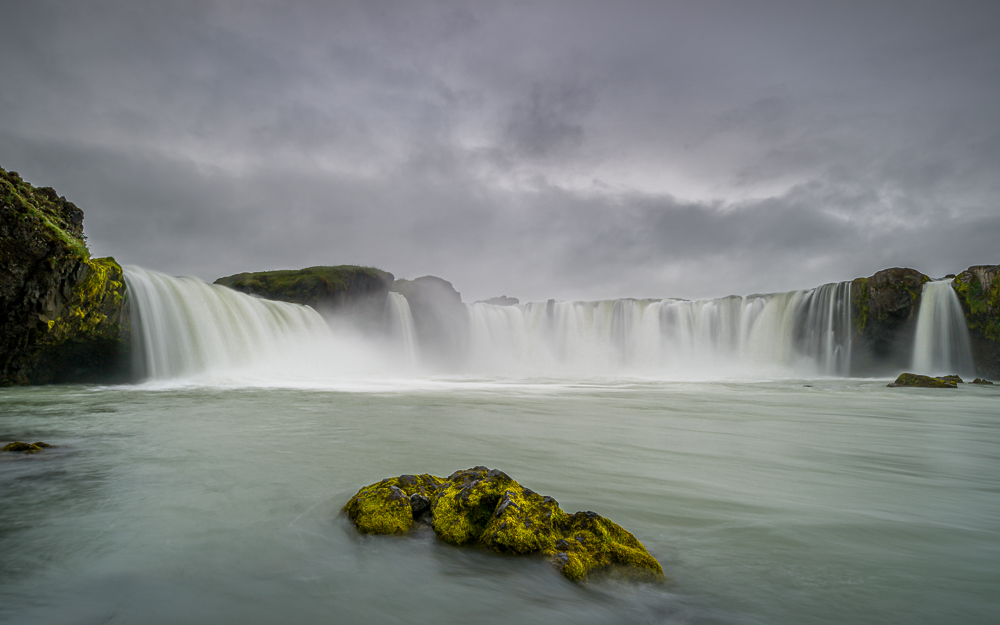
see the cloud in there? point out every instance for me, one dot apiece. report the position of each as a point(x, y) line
point(557, 150)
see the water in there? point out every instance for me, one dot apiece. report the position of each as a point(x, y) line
point(942, 340)
point(766, 502)
point(771, 491)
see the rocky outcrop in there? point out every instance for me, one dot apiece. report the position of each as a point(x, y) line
point(503, 300)
point(347, 292)
point(884, 310)
point(64, 314)
point(24, 448)
point(926, 381)
point(440, 318)
point(488, 508)
point(978, 290)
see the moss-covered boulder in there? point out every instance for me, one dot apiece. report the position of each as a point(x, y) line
point(978, 290)
point(884, 309)
point(24, 448)
point(926, 381)
point(489, 508)
point(982, 381)
point(63, 314)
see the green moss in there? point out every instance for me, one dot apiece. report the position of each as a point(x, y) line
point(384, 508)
point(925, 381)
point(982, 307)
point(24, 448)
point(488, 507)
point(305, 286)
point(98, 294)
point(46, 208)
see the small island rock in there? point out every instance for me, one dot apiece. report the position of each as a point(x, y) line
point(926, 381)
point(488, 507)
point(25, 448)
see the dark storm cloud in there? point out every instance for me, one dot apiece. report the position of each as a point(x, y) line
point(557, 149)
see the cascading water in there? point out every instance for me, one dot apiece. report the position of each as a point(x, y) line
point(942, 340)
point(401, 327)
point(185, 327)
point(720, 336)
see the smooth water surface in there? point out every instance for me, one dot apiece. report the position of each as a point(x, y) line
point(773, 502)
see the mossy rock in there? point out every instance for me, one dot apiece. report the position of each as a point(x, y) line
point(982, 381)
point(65, 315)
point(925, 381)
point(489, 508)
point(25, 448)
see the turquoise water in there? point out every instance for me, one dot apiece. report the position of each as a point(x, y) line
point(771, 502)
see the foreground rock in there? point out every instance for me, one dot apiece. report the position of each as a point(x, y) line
point(487, 507)
point(926, 381)
point(24, 448)
point(63, 314)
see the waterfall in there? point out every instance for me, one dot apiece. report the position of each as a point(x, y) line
point(942, 340)
point(806, 331)
point(183, 326)
point(401, 327)
point(186, 329)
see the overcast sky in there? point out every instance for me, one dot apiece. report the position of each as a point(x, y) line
point(575, 150)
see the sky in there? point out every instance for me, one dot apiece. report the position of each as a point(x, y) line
point(536, 149)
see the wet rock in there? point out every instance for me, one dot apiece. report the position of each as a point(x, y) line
point(25, 448)
point(64, 314)
point(925, 381)
point(981, 381)
point(489, 508)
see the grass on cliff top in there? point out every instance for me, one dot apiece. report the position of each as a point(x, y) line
point(43, 204)
point(302, 281)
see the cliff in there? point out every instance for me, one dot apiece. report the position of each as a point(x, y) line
point(345, 292)
point(439, 317)
point(978, 289)
point(884, 308)
point(64, 314)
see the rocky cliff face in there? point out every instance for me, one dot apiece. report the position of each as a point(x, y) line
point(884, 309)
point(978, 290)
point(357, 294)
point(63, 315)
point(439, 317)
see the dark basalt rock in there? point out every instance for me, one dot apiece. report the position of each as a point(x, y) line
point(978, 289)
point(926, 381)
point(489, 508)
point(440, 318)
point(884, 309)
point(63, 315)
point(25, 448)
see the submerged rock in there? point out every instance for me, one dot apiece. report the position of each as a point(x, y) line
point(25, 448)
point(488, 507)
point(926, 381)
